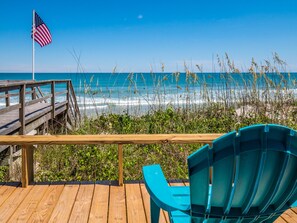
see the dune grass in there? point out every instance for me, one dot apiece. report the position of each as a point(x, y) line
point(263, 95)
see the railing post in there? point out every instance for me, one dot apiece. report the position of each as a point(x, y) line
point(68, 103)
point(76, 108)
point(27, 165)
point(53, 102)
point(22, 109)
point(68, 94)
point(7, 98)
point(33, 89)
point(10, 161)
point(120, 154)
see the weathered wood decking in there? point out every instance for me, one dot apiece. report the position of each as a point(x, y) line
point(35, 115)
point(83, 202)
point(31, 108)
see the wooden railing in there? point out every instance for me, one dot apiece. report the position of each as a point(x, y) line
point(20, 89)
point(27, 142)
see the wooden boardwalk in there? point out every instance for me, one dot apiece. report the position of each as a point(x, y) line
point(83, 202)
point(33, 108)
point(39, 113)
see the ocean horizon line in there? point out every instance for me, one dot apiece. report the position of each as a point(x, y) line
point(145, 72)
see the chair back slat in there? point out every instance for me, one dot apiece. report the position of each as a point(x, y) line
point(198, 164)
point(288, 186)
point(248, 169)
point(253, 175)
point(223, 176)
point(227, 207)
point(272, 178)
point(254, 184)
point(224, 170)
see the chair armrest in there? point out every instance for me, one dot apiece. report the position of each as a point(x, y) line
point(159, 190)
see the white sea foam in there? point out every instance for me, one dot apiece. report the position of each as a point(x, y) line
point(121, 100)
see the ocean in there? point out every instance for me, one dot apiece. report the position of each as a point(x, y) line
point(137, 93)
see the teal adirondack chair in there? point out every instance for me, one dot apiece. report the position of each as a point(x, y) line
point(254, 179)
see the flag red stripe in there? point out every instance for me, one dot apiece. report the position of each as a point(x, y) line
point(38, 41)
point(40, 38)
point(46, 32)
point(41, 33)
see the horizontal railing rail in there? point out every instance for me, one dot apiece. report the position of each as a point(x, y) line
point(31, 83)
point(109, 139)
point(27, 142)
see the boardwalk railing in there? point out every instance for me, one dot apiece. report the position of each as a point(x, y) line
point(22, 94)
point(27, 142)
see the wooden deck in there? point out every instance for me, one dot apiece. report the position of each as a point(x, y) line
point(83, 202)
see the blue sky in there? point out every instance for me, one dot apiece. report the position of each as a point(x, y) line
point(141, 35)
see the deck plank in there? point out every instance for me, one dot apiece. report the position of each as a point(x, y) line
point(5, 191)
point(29, 204)
point(47, 204)
point(177, 184)
point(280, 220)
point(11, 204)
point(65, 203)
point(85, 203)
point(135, 208)
point(117, 205)
point(289, 216)
point(81, 209)
point(146, 200)
point(100, 202)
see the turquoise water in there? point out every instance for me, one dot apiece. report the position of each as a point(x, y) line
point(138, 92)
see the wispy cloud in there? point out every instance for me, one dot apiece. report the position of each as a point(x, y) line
point(140, 16)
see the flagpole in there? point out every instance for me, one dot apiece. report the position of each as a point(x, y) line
point(33, 46)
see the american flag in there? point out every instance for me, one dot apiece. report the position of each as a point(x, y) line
point(41, 33)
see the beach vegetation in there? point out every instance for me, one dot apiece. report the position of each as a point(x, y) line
point(4, 177)
point(191, 101)
point(264, 94)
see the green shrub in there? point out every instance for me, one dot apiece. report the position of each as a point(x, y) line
point(4, 173)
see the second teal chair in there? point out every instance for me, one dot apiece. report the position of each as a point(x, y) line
point(254, 179)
